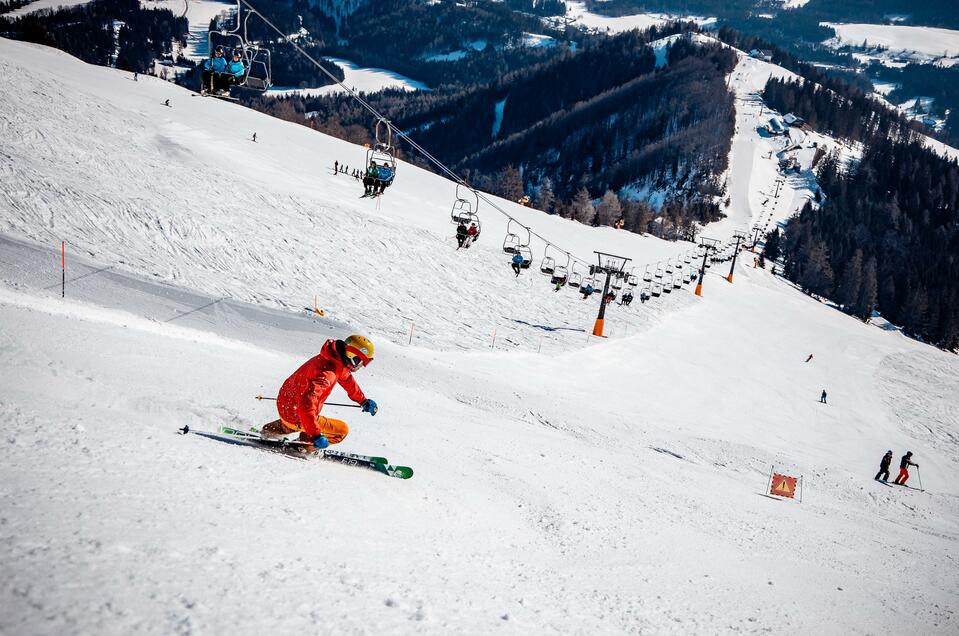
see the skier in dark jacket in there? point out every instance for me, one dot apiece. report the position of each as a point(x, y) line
point(884, 466)
point(822, 398)
point(461, 234)
point(904, 465)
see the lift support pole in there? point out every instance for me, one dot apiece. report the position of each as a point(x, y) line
point(739, 237)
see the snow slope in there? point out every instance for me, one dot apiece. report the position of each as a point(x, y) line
point(603, 489)
point(365, 80)
point(927, 41)
point(577, 12)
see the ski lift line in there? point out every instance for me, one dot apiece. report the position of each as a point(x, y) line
point(399, 133)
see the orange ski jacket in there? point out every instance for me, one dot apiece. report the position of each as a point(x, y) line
point(302, 396)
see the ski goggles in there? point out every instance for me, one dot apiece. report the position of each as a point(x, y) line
point(356, 357)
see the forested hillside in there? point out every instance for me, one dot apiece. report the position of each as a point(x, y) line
point(886, 239)
point(601, 119)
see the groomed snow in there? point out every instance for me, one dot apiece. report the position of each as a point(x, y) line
point(612, 488)
point(41, 5)
point(929, 42)
point(364, 80)
point(577, 11)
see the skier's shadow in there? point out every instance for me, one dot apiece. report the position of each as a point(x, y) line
point(237, 442)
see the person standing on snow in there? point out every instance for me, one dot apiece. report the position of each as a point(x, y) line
point(517, 263)
point(904, 465)
point(822, 398)
point(302, 396)
point(884, 466)
point(809, 358)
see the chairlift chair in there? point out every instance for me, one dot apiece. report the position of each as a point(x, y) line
point(616, 283)
point(668, 285)
point(382, 153)
point(669, 267)
point(647, 277)
point(561, 272)
point(677, 282)
point(575, 278)
point(657, 290)
point(659, 272)
point(257, 59)
point(527, 254)
point(517, 237)
point(548, 266)
point(591, 281)
point(466, 206)
point(632, 280)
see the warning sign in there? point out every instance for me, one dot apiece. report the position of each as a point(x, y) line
point(783, 486)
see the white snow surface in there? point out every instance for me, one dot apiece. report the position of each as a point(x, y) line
point(611, 488)
point(362, 79)
point(41, 5)
point(904, 43)
point(578, 12)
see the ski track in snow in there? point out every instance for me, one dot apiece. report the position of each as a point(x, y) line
point(612, 488)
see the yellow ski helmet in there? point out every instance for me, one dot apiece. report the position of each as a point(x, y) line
point(359, 350)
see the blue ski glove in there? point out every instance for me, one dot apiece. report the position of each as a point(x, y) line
point(321, 442)
point(369, 406)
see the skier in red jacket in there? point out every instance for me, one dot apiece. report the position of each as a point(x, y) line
point(302, 396)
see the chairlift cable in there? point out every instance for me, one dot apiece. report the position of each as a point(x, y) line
point(399, 133)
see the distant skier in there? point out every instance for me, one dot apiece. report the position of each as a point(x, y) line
point(809, 358)
point(904, 465)
point(822, 398)
point(136, 77)
point(461, 235)
point(517, 263)
point(336, 167)
point(167, 103)
point(884, 466)
point(302, 395)
point(254, 137)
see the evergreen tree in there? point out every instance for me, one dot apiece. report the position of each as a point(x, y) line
point(867, 292)
point(582, 207)
point(509, 183)
point(850, 284)
point(818, 275)
point(609, 210)
point(545, 198)
point(773, 248)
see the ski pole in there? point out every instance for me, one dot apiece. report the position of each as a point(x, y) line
point(919, 477)
point(349, 406)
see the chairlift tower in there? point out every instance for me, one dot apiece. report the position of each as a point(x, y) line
point(611, 265)
point(709, 245)
point(739, 236)
point(756, 230)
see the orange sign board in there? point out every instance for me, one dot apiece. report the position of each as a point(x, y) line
point(783, 486)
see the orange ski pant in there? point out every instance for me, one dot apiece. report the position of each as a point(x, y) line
point(901, 479)
point(333, 429)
